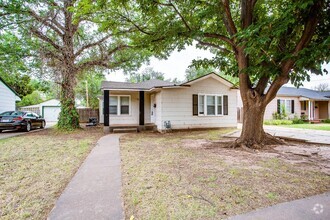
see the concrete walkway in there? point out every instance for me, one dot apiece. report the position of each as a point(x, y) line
point(308, 135)
point(311, 208)
point(95, 190)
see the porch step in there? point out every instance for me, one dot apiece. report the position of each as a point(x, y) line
point(315, 121)
point(125, 130)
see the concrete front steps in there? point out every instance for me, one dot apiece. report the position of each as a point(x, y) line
point(130, 128)
point(125, 130)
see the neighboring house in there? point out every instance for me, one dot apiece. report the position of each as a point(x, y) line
point(300, 102)
point(206, 102)
point(49, 110)
point(8, 97)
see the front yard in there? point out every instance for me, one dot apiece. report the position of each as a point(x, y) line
point(35, 168)
point(190, 175)
point(323, 126)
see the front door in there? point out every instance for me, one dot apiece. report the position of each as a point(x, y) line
point(152, 108)
point(316, 114)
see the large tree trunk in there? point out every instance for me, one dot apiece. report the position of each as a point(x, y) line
point(253, 135)
point(252, 130)
point(69, 117)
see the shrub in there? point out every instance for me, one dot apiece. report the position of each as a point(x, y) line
point(326, 120)
point(278, 122)
point(297, 120)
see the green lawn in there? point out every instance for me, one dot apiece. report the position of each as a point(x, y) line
point(324, 127)
point(35, 168)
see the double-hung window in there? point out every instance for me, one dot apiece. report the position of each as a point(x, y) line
point(210, 105)
point(119, 105)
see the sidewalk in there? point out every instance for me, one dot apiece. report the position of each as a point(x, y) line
point(308, 135)
point(95, 190)
point(311, 208)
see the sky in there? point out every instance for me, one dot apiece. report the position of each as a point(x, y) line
point(178, 62)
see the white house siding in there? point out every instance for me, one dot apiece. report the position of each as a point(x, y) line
point(7, 98)
point(176, 106)
point(272, 107)
point(132, 118)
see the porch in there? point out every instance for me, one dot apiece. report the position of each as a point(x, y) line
point(314, 110)
point(127, 110)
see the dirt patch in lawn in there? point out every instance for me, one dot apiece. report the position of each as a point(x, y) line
point(36, 167)
point(190, 175)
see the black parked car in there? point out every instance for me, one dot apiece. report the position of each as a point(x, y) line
point(20, 120)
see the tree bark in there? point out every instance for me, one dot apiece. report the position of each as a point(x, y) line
point(69, 117)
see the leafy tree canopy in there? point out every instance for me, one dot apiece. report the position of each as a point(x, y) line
point(193, 73)
point(89, 84)
point(34, 98)
point(146, 74)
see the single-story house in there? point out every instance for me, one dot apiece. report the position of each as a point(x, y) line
point(49, 110)
point(206, 102)
point(300, 102)
point(8, 97)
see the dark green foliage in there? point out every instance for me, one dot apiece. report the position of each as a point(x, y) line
point(146, 74)
point(31, 99)
point(93, 80)
point(297, 120)
point(68, 122)
point(326, 120)
point(18, 82)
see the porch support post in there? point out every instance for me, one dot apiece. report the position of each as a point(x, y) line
point(106, 110)
point(309, 110)
point(141, 105)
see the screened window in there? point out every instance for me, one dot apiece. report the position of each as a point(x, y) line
point(219, 105)
point(119, 105)
point(113, 105)
point(201, 104)
point(287, 105)
point(210, 105)
point(124, 105)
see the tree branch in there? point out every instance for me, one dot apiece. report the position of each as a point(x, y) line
point(228, 19)
point(44, 21)
point(91, 45)
point(220, 37)
point(305, 39)
point(177, 12)
point(214, 46)
point(45, 38)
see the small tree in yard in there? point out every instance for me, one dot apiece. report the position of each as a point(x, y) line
point(264, 43)
point(66, 44)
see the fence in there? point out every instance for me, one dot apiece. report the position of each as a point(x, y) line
point(30, 109)
point(86, 113)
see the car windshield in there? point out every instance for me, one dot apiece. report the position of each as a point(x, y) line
point(13, 113)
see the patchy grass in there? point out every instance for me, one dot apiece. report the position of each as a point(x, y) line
point(324, 127)
point(35, 168)
point(181, 176)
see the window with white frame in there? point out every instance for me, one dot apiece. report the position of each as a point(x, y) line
point(210, 105)
point(119, 105)
point(287, 104)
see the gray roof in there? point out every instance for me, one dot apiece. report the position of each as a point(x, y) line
point(146, 85)
point(301, 92)
point(325, 93)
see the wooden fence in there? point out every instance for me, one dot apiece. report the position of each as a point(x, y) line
point(86, 113)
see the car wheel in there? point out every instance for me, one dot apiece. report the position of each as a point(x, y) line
point(42, 124)
point(28, 127)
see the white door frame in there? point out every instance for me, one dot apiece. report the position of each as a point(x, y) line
point(152, 108)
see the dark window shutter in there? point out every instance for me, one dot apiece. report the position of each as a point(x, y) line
point(278, 106)
point(195, 104)
point(292, 106)
point(225, 105)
